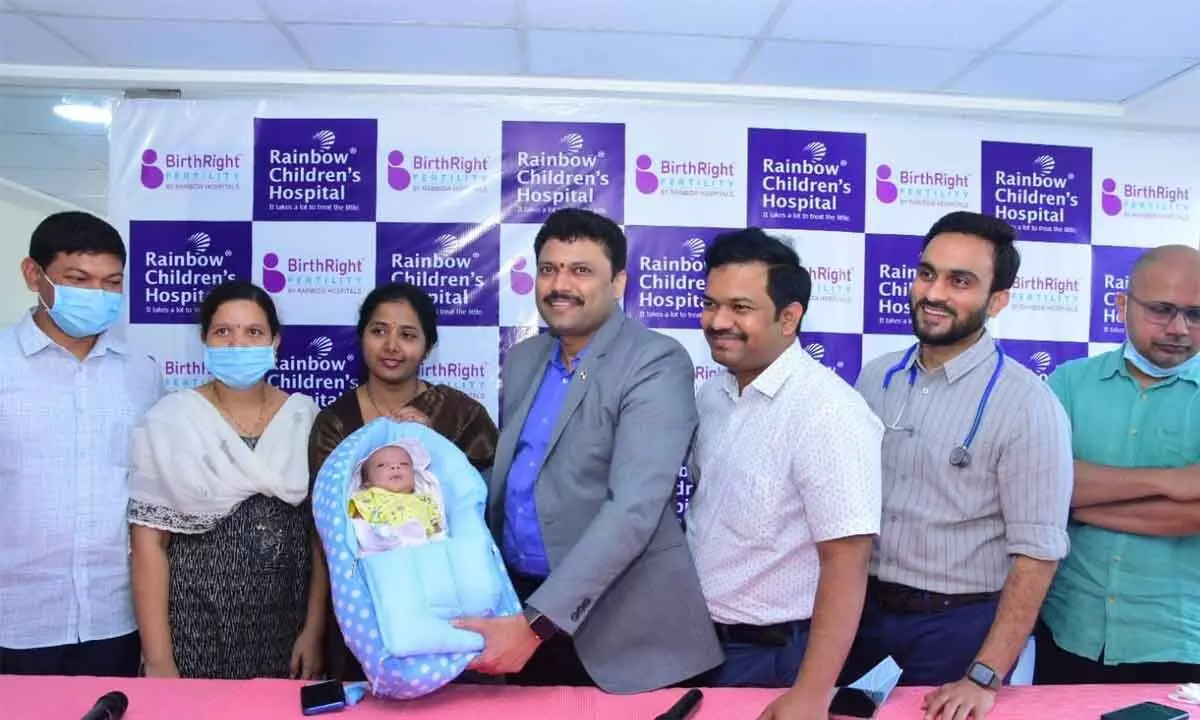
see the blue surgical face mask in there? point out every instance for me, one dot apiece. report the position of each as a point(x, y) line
point(83, 312)
point(1140, 362)
point(239, 367)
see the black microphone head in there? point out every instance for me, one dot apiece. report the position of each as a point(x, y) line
point(116, 699)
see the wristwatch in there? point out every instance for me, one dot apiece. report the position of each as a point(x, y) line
point(541, 625)
point(983, 676)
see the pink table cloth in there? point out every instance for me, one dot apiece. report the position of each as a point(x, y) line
point(55, 698)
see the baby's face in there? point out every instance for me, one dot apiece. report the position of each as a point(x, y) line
point(390, 468)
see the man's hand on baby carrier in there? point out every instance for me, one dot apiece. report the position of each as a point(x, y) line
point(508, 643)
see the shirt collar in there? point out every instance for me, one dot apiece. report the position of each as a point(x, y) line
point(32, 340)
point(770, 380)
point(1113, 365)
point(963, 363)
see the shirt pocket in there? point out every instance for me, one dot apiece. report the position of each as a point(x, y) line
point(1177, 448)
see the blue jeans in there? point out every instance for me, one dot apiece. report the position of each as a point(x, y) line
point(932, 648)
point(763, 666)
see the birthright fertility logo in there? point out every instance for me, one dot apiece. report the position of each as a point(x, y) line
point(666, 281)
point(1046, 293)
point(173, 265)
point(685, 177)
point(421, 172)
point(1110, 278)
point(1043, 191)
point(182, 373)
point(547, 166)
point(807, 180)
point(180, 170)
point(922, 188)
point(314, 169)
point(319, 361)
point(1145, 201)
point(892, 262)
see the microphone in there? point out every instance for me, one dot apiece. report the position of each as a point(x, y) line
point(110, 706)
point(683, 708)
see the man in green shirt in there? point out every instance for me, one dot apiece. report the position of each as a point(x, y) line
point(1125, 604)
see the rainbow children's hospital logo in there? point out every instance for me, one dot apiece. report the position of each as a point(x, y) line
point(1145, 201)
point(437, 172)
point(1043, 191)
point(173, 265)
point(922, 188)
point(314, 169)
point(552, 165)
point(685, 178)
point(191, 171)
point(666, 282)
point(319, 361)
point(807, 180)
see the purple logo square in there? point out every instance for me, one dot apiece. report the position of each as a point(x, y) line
point(1110, 277)
point(173, 265)
point(1044, 191)
point(457, 264)
point(807, 180)
point(321, 361)
point(892, 262)
point(547, 166)
point(1043, 357)
point(665, 274)
point(313, 169)
point(840, 352)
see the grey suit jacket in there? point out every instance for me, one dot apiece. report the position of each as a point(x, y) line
point(622, 582)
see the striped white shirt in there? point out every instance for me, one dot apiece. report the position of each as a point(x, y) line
point(954, 530)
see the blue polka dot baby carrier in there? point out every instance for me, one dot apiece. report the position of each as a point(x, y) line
point(394, 607)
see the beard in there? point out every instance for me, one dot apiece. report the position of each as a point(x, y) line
point(959, 330)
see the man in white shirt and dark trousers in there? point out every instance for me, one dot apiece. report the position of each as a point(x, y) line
point(788, 478)
point(70, 394)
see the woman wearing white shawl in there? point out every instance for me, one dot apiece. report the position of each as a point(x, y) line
point(222, 552)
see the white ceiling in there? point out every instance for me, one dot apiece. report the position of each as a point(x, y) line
point(1063, 50)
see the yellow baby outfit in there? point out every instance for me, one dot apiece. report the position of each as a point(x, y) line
point(384, 507)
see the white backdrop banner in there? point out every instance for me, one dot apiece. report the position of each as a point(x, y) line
point(320, 199)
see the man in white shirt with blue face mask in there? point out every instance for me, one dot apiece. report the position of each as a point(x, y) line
point(70, 395)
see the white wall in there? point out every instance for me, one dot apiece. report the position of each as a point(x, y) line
point(21, 209)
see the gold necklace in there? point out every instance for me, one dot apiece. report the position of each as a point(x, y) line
point(390, 413)
point(241, 429)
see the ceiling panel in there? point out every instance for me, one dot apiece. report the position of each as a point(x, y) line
point(465, 12)
point(1113, 28)
point(178, 44)
point(634, 56)
point(60, 182)
point(1064, 78)
point(408, 49)
point(858, 67)
point(23, 41)
point(706, 17)
point(146, 9)
point(957, 24)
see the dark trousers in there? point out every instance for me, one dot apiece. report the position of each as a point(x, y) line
point(931, 637)
point(759, 657)
point(1056, 666)
point(113, 657)
point(555, 662)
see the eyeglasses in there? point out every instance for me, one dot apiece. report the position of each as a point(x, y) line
point(1162, 313)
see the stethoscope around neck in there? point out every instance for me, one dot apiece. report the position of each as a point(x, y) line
point(960, 455)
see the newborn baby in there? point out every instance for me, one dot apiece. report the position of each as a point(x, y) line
point(398, 503)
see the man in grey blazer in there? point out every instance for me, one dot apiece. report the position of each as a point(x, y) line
point(599, 414)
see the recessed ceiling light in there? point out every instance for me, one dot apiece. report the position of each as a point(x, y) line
point(77, 112)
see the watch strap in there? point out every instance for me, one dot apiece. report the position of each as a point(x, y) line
point(542, 626)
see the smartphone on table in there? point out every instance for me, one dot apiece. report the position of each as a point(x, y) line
point(1146, 711)
point(322, 697)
